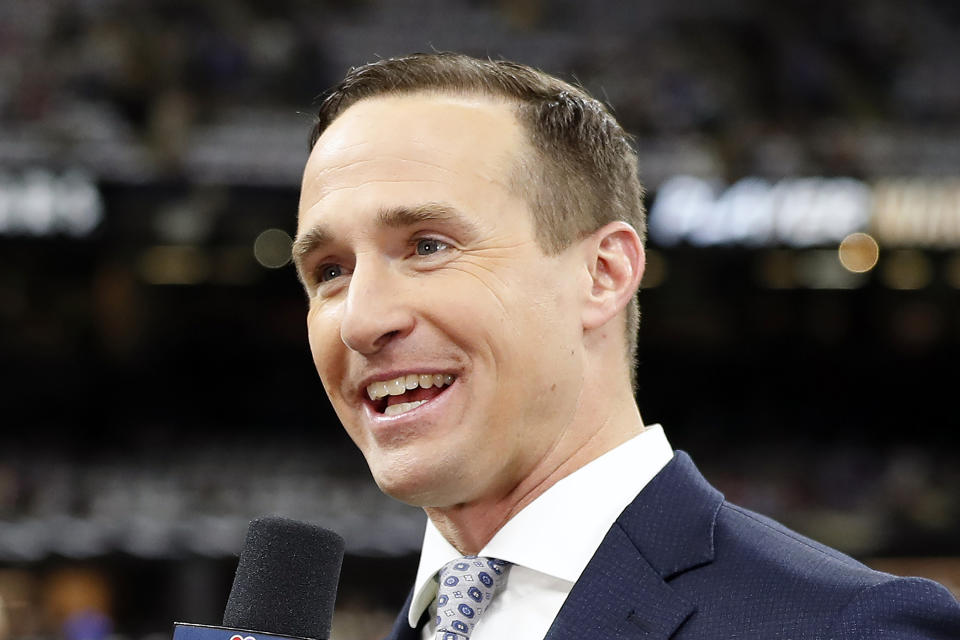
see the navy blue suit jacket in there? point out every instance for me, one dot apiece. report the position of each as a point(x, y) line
point(680, 562)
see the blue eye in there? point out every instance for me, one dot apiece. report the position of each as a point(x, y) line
point(428, 246)
point(328, 272)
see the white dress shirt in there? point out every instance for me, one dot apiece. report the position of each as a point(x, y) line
point(549, 542)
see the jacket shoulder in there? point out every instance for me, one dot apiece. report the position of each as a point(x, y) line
point(744, 535)
point(785, 585)
point(900, 608)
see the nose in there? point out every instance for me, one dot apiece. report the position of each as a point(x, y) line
point(376, 310)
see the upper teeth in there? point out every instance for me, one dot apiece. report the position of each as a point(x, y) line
point(397, 386)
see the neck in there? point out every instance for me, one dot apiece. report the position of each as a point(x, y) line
point(470, 526)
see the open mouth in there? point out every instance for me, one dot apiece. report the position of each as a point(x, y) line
point(405, 393)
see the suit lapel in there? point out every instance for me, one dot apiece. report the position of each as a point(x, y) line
point(619, 595)
point(401, 628)
point(624, 591)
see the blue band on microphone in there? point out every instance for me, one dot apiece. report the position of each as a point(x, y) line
point(187, 631)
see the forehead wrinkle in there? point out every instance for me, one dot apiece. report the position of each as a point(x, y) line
point(371, 181)
point(323, 190)
point(350, 164)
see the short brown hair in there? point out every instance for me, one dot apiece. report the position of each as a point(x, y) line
point(584, 173)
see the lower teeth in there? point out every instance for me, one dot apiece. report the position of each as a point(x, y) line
point(403, 407)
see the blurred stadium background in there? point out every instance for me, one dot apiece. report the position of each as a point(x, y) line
point(801, 316)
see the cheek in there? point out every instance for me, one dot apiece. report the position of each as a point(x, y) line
point(539, 341)
point(323, 335)
point(539, 309)
point(329, 358)
point(473, 310)
point(515, 327)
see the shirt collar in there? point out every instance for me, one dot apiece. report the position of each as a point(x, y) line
point(582, 507)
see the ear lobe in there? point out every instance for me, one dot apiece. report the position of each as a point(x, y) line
point(615, 261)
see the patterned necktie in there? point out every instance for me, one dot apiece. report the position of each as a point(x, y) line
point(466, 587)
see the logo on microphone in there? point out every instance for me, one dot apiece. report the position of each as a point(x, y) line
point(239, 637)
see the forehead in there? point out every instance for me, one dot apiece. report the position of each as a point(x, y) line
point(412, 149)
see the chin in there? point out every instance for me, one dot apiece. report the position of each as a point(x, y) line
point(419, 488)
point(412, 492)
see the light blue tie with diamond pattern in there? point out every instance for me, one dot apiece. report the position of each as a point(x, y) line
point(466, 587)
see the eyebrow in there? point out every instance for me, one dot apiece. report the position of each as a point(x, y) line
point(394, 218)
point(400, 217)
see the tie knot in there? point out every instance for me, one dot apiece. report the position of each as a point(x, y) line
point(466, 587)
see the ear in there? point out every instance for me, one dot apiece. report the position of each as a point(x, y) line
point(615, 261)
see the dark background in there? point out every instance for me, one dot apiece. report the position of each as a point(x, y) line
point(157, 388)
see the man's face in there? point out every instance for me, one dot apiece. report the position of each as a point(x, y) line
point(423, 269)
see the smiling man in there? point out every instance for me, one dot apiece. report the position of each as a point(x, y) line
point(470, 239)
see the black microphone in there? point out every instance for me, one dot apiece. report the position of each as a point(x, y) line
point(285, 585)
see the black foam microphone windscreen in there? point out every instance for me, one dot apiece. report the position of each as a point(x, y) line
point(286, 580)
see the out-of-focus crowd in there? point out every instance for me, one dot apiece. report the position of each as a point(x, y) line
point(222, 91)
